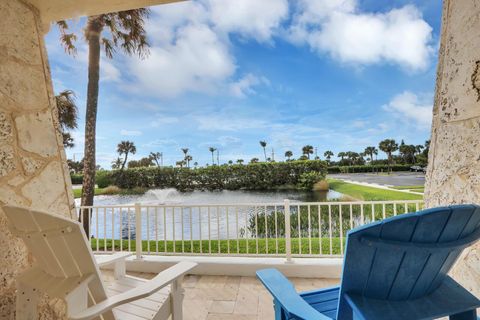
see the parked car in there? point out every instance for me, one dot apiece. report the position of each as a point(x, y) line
point(418, 169)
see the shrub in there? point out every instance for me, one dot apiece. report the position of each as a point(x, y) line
point(103, 179)
point(76, 178)
point(255, 176)
point(308, 179)
point(368, 168)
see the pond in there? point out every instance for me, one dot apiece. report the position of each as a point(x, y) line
point(188, 215)
point(173, 197)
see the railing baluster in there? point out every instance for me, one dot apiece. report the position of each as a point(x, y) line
point(373, 212)
point(236, 228)
point(209, 233)
point(218, 228)
point(362, 218)
point(128, 230)
point(309, 231)
point(120, 217)
point(320, 250)
point(395, 209)
point(341, 227)
point(191, 230)
point(105, 229)
point(96, 232)
point(156, 230)
point(288, 239)
point(266, 231)
point(165, 247)
point(351, 217)
point(330, 227)
point(200, 227)
point(173, 230)
point(148, 230)
point(256, 229)
point(228, 234)
point(183, 240)
point(299, 230)
point(113, 229)
point(383, 211)
point(276, 230)
point(246, 230)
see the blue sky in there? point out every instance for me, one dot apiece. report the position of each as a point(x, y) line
point(336, 74)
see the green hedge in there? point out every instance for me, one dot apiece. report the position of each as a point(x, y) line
point(368, 168)
point(256, 176)
point(76, 178)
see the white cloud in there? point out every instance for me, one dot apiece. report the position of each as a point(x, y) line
point(411, 108)
point(191, 47)
point(163, 120)
point(227, 121)
point(197, 61)
point(130, 133)
point(244, 86)
point(339, 28)
point(249, 18)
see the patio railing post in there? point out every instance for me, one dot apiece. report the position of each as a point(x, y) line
point(288, 239)
point(138, 231)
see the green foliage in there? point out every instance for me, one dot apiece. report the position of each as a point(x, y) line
point(77, 178)
point(254, 176)
point(308, 179)
point(364, 168)
point(103, 179)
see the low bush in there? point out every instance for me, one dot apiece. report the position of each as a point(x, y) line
point(103, 179)
point(368, 168)
point(76, 178)
point(255, 176)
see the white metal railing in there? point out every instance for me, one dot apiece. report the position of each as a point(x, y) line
point(288, 229)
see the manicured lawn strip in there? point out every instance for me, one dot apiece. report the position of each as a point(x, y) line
point(77, 193)
point(370, 193)
point(222, 246)
point(419, 188)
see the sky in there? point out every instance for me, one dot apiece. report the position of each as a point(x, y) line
point(339, 75)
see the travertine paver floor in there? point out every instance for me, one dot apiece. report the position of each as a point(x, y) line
point(233, 298)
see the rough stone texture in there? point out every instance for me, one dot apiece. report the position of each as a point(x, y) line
point(454, 161)
point(32, 171)
point(35, 133)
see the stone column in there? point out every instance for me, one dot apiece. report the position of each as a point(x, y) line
point(454, 161)
point(33, 170)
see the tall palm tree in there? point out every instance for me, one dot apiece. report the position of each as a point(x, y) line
point(117, 163)
point(126, 147)
point(125, 30)
point(254, 160)
point(157, 156)
point(188, 158)
point(240, 161)
point(328, 155)
point(212, 150)
point(288, 154)
point(67, 115)
point(307, 150)
point(185, 151)
point(370, 151)
point(263, 144)
point(342, 155)
point(388, 146)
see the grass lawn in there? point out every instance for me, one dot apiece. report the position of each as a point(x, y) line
point(419, 188)
point(370, 193)
point(222, 246)
point(77, 193)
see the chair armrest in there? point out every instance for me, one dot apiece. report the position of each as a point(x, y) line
point(106, 259)
point(148, 288)
point(284, 292)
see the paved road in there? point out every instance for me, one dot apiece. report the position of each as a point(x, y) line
point(394, 179)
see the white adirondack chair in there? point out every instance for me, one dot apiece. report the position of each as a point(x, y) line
point(65, 268)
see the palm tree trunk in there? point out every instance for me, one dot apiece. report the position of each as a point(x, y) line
point(213, 159)
point(265, 154)
point(93, 31)
point(124, 161)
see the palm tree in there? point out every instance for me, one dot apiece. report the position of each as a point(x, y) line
point(342, 155)
point(240, 161)
point(254, 160)
point(125, 31)
point(307, 150)
point(328, 155)
point(263, 144)
point(370, 151)
point(288, 154)
point(195, 164)
point(185, 151)
point(126, 147)
point(116, 164)
point(67, 115)
point(212, 150)
point(230, 161)
point(388, 146)
point(156, 156)
point(188, 158)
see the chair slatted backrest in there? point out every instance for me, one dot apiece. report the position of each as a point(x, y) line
point(408, 256)
point(59, 246)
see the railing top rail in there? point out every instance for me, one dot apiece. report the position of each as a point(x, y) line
point(270, 204)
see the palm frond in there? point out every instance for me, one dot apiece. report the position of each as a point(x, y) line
point(67, 39)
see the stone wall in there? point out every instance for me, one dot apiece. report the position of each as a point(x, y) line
point(33, 169)
point(454, 161)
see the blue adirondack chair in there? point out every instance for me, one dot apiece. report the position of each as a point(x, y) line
point(393, 269)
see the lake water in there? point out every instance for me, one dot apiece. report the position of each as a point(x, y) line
point(186, 215)
point(173, 197)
